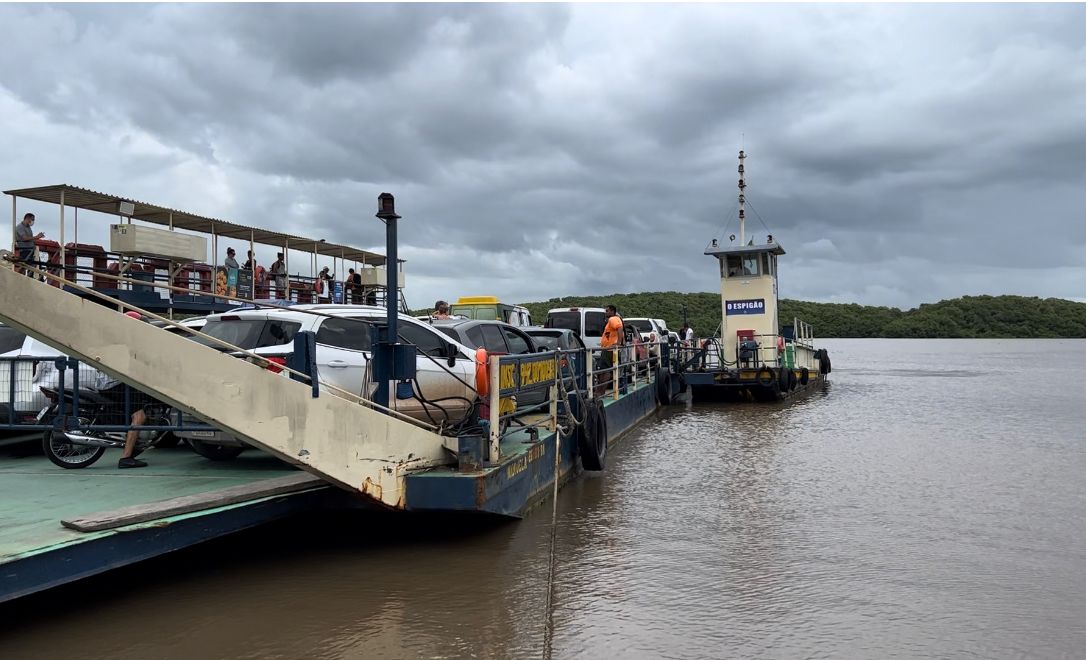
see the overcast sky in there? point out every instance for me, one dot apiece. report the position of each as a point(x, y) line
point(900, 154)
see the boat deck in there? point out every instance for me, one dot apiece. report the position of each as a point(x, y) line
point(178, 500)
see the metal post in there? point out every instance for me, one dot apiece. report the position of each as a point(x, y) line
point(14, 211)
point(553, 425)
point(614, 370)
point(588, 366)
point(62, 227)
point(385, 352)
point(495, 408)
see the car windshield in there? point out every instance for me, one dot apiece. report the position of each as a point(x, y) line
point(642, 325)
point(10, 339)
point(250, 333)
point(565, 321)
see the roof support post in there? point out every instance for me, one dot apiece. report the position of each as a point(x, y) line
point(62, 226)
point(14, 211)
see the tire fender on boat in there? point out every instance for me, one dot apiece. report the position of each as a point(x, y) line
point(804, 376)
point(482, 377)
point(765, 377)
point(593, 440)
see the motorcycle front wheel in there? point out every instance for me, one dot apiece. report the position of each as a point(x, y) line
point(64, 453)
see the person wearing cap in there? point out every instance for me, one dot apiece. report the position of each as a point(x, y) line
point(441, 311)
point(231, 262)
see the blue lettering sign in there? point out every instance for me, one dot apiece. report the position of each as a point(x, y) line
point(732, 307)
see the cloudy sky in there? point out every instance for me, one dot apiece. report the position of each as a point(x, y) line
point(901, 154)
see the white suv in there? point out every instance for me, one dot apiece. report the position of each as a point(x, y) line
point(445, 368)
point(652, 330)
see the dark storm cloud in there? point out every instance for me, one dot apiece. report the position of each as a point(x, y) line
point(542, 150)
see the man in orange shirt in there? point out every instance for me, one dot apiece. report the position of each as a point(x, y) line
point(612, 337)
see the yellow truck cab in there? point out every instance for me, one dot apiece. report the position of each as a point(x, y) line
point(491, 309)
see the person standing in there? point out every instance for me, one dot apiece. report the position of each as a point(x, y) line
point(612, 337)
point(24, 241)
point(324, 290)
point(356, 287)
point(250, 263)
point(441, 311)
point(279, 274)
point(231, 262)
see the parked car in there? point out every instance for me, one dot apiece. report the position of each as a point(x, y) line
point(636, 349)
point(554, 339)
point(343, 338)
point(491, 309)
point(498, 338)
point(588, 322)
point(651, 330)
point(196, 323)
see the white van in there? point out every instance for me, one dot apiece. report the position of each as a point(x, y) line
point(588, 322)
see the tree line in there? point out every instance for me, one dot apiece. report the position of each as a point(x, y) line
point(966, 317)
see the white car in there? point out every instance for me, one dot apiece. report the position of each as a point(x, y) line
point(443, 389)
point(652, 330)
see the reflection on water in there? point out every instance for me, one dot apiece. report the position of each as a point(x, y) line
point(929, 504)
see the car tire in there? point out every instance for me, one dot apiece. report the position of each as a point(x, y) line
point(214, 452)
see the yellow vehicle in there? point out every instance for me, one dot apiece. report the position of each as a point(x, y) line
point(491, 309)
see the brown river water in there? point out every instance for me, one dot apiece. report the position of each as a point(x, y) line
point(931, 503)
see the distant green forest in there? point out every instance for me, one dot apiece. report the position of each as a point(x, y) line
point(971, 316)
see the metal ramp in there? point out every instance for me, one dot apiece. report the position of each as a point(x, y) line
point(343, 442)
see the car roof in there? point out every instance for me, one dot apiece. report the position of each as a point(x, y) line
point(576, 309)
point(457, 323)
point(295, 311)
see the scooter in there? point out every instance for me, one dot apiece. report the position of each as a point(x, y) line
point(74, 443)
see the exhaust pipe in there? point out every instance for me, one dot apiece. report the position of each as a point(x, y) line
point(77, 438)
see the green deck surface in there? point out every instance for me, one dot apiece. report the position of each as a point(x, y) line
point(36, 495)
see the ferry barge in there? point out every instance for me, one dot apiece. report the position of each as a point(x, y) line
point(351, 450)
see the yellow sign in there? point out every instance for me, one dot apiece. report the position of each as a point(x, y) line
point(531, 373)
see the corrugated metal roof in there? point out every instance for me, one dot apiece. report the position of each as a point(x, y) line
point(91, 200)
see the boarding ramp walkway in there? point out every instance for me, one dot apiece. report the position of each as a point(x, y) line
point(340, 440)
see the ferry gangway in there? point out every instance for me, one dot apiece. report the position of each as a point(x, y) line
point(351, 445)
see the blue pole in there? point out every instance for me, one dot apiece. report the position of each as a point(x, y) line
point(392, 293)
point(384, 352)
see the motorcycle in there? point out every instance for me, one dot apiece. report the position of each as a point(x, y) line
point(74, 443)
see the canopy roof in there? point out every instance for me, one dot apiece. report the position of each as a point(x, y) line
point(91, 200)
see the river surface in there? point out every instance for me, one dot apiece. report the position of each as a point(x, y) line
point(931, 503)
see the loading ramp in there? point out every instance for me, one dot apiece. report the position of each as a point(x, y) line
point(339, 440)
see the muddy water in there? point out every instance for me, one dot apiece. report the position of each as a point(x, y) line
point(931, 503)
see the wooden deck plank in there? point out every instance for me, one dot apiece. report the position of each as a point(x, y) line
point(146, 512)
